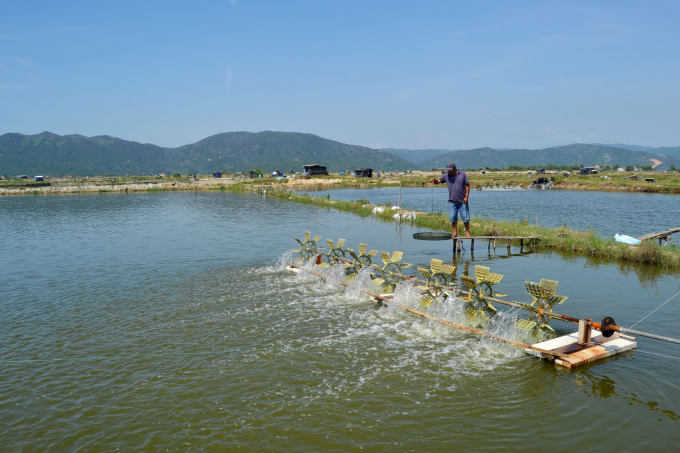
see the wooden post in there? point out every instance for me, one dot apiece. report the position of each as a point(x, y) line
point(527, 219)
point(509, 240)
point(472, 245)
point(454, 245)
point(584, 331)
point(489, 244)
point(459, 241)
point(400, 194)
point(521, 243)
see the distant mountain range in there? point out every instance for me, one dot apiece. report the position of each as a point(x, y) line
point(588, 155)
point(665, 150)
point(52, 154)
point(426, 157)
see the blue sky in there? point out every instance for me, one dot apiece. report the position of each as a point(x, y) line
point(397, 74)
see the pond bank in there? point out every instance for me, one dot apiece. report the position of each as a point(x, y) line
point(95, 186)
point(664, 183)
point(586, 243)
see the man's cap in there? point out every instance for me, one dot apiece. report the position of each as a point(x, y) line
point(450, 166)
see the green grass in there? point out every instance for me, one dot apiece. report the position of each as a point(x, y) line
point(581, 243)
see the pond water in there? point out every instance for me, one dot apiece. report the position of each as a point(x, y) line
point(166, 321)
point(633, 214)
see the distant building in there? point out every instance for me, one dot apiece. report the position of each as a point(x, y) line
point(38, 178)
point(363, 172)
point(540, 171)
point(217, 174)
point(314, 169)
point(22, 177)
point(588, 171)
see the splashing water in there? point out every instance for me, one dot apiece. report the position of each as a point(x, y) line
point(406, 294)
point(460, 349)
point(281, 263)
point(335, 273)
point(361, 282)
point(310, 266)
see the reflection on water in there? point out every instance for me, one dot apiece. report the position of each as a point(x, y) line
point(648, 275)
point(217, 347)
point(605, 387)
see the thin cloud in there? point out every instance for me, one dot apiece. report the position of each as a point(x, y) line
point(229, 77)
point(5, 86)
point(21, 61)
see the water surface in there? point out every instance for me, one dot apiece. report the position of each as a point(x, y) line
point(163, 322)
point(633, 214)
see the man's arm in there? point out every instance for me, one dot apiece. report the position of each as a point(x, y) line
point(437, 180)
point(467, 193)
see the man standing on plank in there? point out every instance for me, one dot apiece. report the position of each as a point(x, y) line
point(459, 191)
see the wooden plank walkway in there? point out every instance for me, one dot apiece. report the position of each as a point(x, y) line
point(666, 234)
point(457, 241)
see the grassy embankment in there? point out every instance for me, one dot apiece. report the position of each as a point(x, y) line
point(663, 182)
point(586, 243)
point(667, 183)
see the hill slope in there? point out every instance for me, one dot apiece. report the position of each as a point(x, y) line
point(588, 155)
point(51, 154)
point(417, 156)
point(285, 151)
point(665, 150)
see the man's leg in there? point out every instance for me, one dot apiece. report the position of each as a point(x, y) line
point(453, 218)
point(465, 217)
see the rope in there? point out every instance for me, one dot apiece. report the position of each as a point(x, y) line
point(432, 208)
point(660, 355)
point(177, 354)
point(654, 310)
